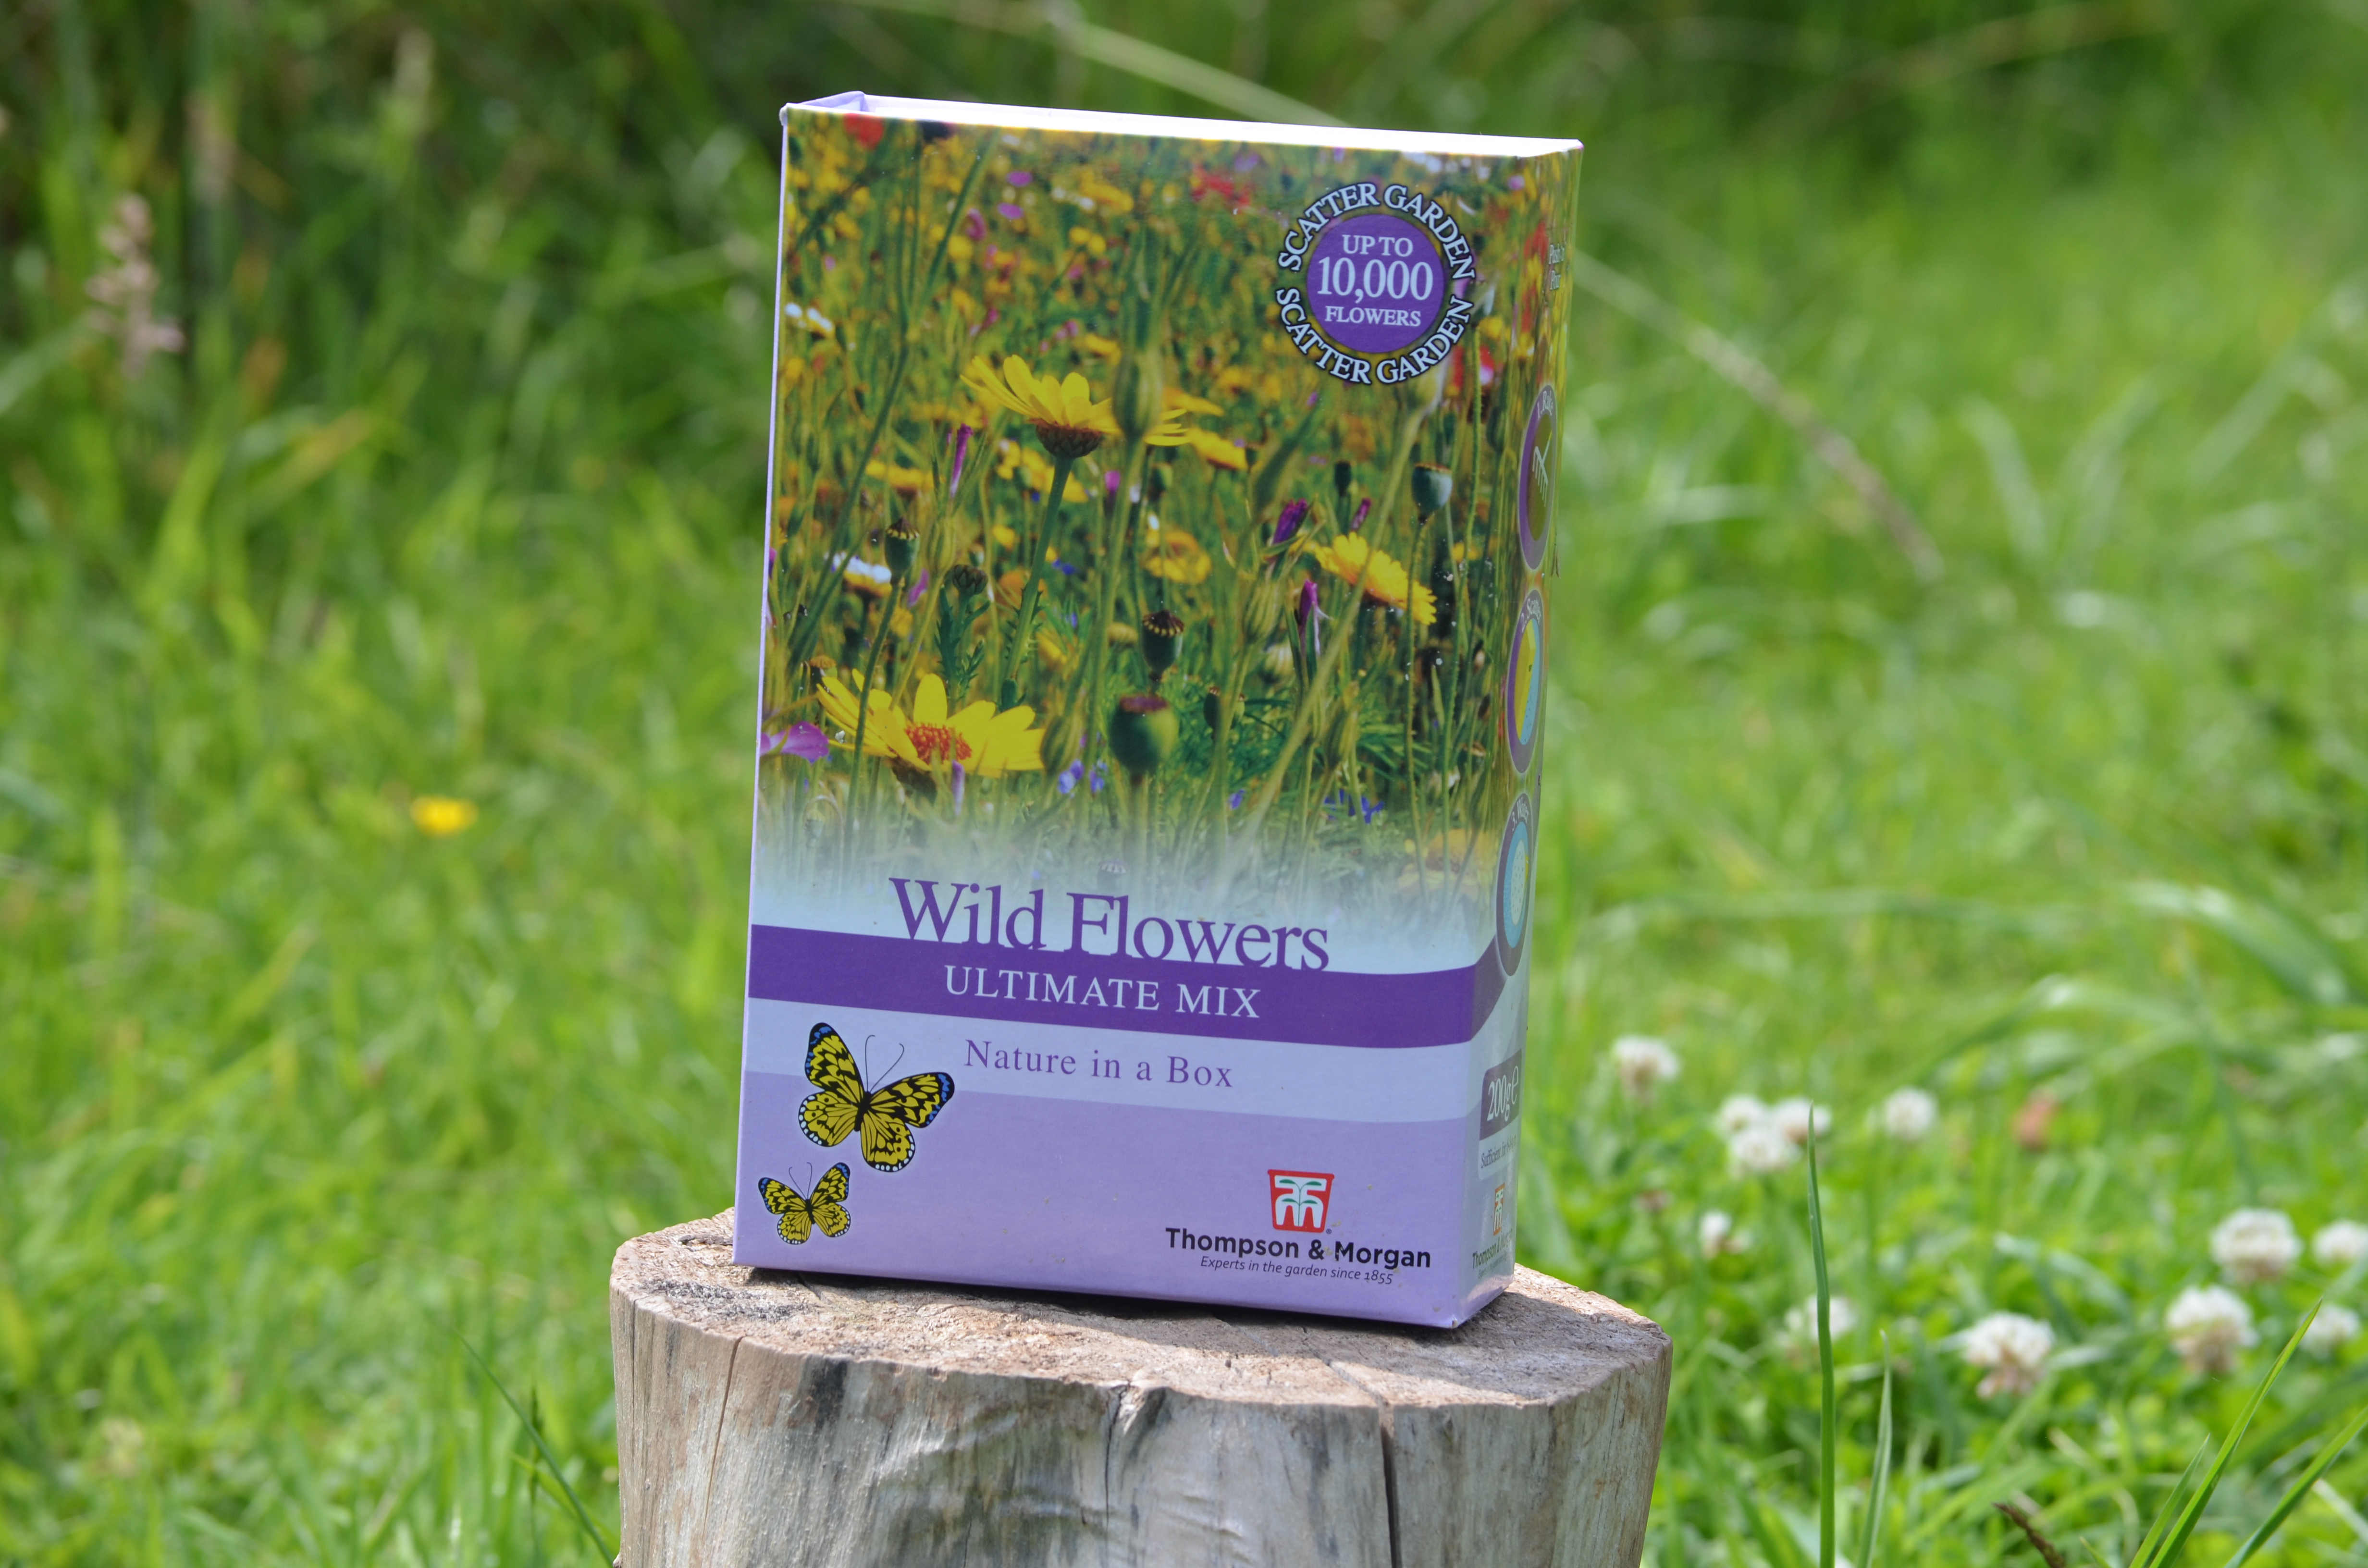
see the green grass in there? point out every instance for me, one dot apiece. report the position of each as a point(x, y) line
point(455, 489)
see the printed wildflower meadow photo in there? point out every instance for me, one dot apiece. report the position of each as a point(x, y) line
point(1160, 508)
point(1153, 677)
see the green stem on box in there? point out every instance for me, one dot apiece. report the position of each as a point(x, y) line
point(1106, 564)
point(863, 692)
point(1006, 684)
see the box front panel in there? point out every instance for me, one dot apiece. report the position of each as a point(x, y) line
point(1155, 919)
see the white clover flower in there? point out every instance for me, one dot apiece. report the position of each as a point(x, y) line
point(1739, 1111)
point(1799, 1331)
point(1643, 1064)
point(2255, 1244)
point(1719, 1235)
point(1791, 1118)
point(1759, 1149)
point(1909, 1115)
point(2013, 1349)
point(2331, 1330)
point(2207, 1325)
point(2341, 1245)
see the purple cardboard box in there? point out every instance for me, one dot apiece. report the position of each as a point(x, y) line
point(1153, 666)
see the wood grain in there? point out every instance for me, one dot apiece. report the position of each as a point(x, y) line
point(807, 1419)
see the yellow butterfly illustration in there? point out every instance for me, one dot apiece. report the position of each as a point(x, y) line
point(886, 1115)
point(827, 1208)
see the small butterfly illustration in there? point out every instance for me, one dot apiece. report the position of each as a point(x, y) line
point(827, 1208)
point(886, 1115)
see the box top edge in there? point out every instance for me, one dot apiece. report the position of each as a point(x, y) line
point(1021, 117)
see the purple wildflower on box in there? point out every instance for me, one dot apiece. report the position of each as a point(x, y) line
point(1286, 525)
point(801, 739)
point(963, 439)
point(1075, 774)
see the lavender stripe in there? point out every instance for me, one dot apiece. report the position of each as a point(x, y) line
point(837, 968)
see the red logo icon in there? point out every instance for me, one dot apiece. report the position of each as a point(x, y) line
point(1299, 1198)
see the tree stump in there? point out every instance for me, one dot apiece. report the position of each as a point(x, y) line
point(811, 1419)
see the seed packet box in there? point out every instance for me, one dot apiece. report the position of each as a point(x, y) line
point(1152, 664)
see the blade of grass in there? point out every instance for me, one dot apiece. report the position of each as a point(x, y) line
point(1776, 1542)
point(583, 1516)
point(2051, 30)
point(2176, 1542)
point(1121, 52)
point(2301, 1489)
point(2342, 1510)
point(1825, 1436)
point(1745, 371)
point(2170, 1508)
point(1881, 1482)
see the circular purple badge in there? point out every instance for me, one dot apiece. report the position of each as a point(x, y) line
point(1540, 454)
point(1375, 283)
point(1525, 681)
point(1516, 877)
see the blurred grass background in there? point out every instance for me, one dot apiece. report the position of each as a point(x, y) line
point(446, 476)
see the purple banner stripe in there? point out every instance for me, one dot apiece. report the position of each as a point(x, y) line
point(964, 980)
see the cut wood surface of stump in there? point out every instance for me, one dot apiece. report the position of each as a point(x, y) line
point(810, 1419)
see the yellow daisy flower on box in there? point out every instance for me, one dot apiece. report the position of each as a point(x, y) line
point(1216, 450)
point(987, 744)
point(902, 480)
point(1378, 575)
point(1069, 420)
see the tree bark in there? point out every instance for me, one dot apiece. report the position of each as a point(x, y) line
point(808, 1419)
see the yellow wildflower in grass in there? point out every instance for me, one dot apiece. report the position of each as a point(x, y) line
point(1177, 398)
point(1009, 540)
point(1036, 469)
point(1106, 197)
point(903, 481)
point(1068, 420)
point(1378, 574)
point(1176, 555)
point(1094, 343)
point(1055, 653)
point(986, 744)
point(1218, 452)
point(1446, 856)
point(441, 816)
